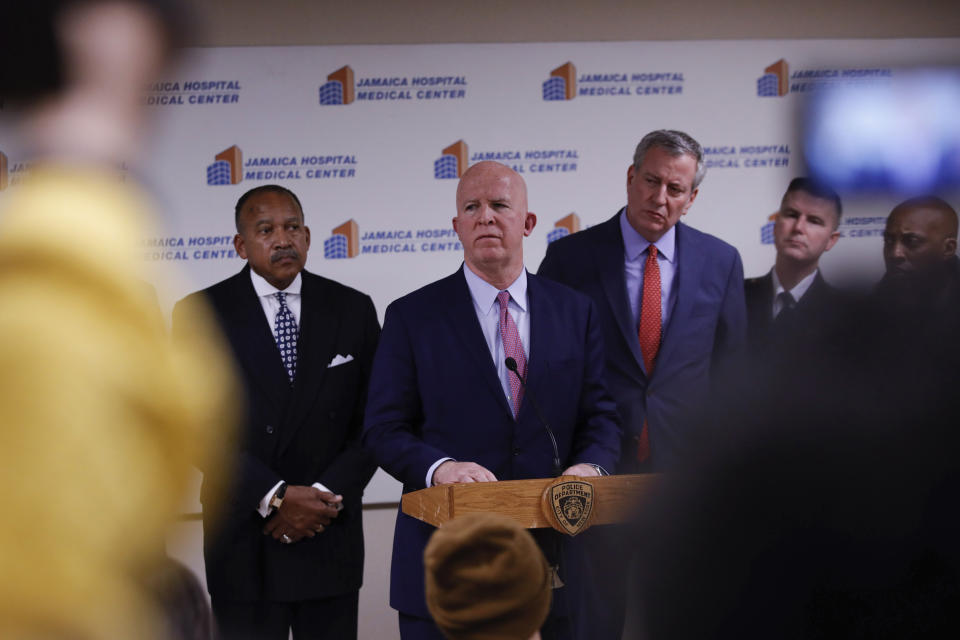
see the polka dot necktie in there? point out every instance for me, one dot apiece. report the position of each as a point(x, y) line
point(285, 331)
point(512, 348)
point(650, 329)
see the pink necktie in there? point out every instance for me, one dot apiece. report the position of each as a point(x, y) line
point(512, 348)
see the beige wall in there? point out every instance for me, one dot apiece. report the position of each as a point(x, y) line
point(302, 22)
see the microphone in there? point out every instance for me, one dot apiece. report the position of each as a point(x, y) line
point(512, 366)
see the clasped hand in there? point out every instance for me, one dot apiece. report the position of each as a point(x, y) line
point(304, 513)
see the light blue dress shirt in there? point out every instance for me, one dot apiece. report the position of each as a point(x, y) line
point(485, 305)
point(634, 261)
point(484, 296)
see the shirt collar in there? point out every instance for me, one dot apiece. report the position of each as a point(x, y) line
point(797, 292)
point(264, 288)
point(635, 244)
point(484, 294)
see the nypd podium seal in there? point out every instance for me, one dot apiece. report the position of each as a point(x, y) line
point(568, 505)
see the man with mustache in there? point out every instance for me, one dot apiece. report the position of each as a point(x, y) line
point(793, 303)
point(920, 252)
point(444, 407)
point(670, 301)
point(283, 542)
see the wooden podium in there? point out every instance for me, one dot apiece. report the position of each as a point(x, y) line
point(569, 504)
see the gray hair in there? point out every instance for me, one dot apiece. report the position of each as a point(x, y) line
point(675, 143)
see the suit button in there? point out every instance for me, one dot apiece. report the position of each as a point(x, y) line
point(516, 452)
point(333, 415)
point(270, 428)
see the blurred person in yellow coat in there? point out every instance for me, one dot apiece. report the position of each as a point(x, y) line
point(101, 415)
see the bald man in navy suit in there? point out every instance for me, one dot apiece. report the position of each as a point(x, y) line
point(443, 406)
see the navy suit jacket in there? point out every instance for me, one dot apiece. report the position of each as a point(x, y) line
point(434, 393)
point(306, 433)
point(809, 318)
point(707, 323)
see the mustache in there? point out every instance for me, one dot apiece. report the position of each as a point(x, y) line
point(280, 254)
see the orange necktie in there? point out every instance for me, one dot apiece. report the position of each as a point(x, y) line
point(649, 334)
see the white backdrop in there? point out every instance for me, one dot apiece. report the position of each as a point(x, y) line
point(266, 102)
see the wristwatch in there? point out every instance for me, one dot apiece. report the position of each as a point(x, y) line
point(277, 498)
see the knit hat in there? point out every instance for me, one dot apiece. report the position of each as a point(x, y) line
point(486, 579)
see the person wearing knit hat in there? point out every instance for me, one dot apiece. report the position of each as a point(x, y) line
point(486, 579)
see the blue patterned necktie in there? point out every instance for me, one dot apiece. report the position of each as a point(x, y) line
point(285, 331)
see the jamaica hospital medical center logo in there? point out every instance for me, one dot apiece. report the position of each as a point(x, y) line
point(346, 241)
point(228, 167)
point(193, 92)
point(777, 81)
point(564, 227)
point(342, 87)
point(564, 84)
point(453, 160)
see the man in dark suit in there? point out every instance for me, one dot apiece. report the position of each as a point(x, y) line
point(793, 303)
point(444, 408)
point(697, 311)
point(283, 542)
point(671, 306)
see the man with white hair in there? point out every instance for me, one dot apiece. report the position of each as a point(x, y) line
point(671, 306)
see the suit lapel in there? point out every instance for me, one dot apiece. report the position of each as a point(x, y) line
point(815, 294)
point(760, 306)
point(257, 348)
point(609, 260)
point(319, 325)
point(686, 283)
point(541, 309)
point(462, 317)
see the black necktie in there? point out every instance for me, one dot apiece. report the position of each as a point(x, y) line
point(787, 304)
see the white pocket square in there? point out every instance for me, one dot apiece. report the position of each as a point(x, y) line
point(339, 359)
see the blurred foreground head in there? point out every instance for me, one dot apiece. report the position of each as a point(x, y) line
point(102, 416)
point(77, 70)
point(486, 579)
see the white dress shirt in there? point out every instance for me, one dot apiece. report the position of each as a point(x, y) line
point(267, 294)
point(634, 262)
point(796, 293)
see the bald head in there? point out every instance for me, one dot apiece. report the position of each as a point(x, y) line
point(489, 170)
point(935, 211)
point(920, 236)
point(492, 220)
